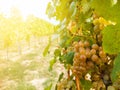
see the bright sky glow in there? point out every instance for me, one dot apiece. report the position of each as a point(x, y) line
point(35, 7)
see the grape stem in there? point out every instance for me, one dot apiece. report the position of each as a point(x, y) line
point(68, 74)
point(77, 82)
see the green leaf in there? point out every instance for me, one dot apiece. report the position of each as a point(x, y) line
point(111, 39)
point(107, 9)
point(86, 85)
point(72, 7)
point(46, 50)
point(74, 13)
point(115, 75)
point(57, 52)
point(48, 87)
point(69, 57)
point(52, 62)
point(60, 76)
point(85, 6)
point(65, 41)
point(50, 10)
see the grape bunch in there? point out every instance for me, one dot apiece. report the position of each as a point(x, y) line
point(86, 57)
point(90, 57)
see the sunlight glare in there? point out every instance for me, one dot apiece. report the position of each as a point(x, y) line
point(35, 7)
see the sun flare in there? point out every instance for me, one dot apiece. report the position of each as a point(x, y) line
point(26, 7)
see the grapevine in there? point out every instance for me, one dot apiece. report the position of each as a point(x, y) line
point(83, 49)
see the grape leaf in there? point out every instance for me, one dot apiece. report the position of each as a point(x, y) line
point(57, 52)
point(115, 75)
point(72, 7)
point(111, 39)
point(46, 50)
point(107, 9)
point(86, 84)
point(60, 76)
point(102, 7)
point(85, 6)
point(52, 62)
point(49, 87)
point(69, 57)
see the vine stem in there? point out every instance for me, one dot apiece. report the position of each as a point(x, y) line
point(77, 82)
point(68, 74)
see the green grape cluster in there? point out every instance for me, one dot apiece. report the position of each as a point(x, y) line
point(86, 57)
point(91, 58)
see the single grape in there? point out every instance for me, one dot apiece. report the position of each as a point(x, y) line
point(99, 37)
point(82, 58)
point(100, 48)
point(96, 29)
point(86, 44)
point(77, 55)
point(90, 64)
point(87, 53)
point(81, 44)
point(95, 46)
point(82, 50)
point(102, 54)
point(94, 58)
point(76, 46)
point(106, 77)
point(93, 51)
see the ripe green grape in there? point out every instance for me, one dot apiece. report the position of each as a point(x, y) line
point(93, 51)
point(86, 44)
point(106, 77)
point(95, 46)
point(99, 37)
point(94, 58)
point(76, 46)
point(77, 55)
point(81, 44)
point(83, 58)
point(82, 50)
point(96, 29)
point(100, 48)
point(102, 54)
point(87, 53)
point(90, 65)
